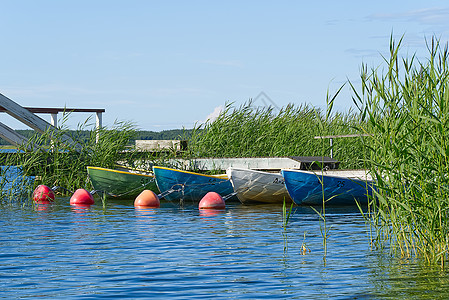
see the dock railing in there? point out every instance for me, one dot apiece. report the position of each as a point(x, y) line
point(27, 116)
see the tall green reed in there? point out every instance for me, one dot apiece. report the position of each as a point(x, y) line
point(248, 131)
point(322, 127)
point(55, 163)
point(405, 108)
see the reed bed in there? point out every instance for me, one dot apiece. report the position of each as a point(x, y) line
point(248, 131)
point(55, 163)
point(405, 108)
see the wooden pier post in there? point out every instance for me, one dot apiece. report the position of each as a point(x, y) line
point(98, 124)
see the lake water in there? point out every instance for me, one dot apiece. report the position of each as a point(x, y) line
point(117, 251)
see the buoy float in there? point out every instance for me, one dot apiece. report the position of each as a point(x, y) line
point(212, 200)
point(81, 197)
point(43, 194)
point(147, 199)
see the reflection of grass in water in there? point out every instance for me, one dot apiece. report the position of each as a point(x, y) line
point(304, 249)
point(285, 218)
point(397, 278)
point(286, 214)
point(406, 111)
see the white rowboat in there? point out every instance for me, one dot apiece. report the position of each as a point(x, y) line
point(258, 186)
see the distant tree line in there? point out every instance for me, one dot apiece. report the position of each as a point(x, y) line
point(174, 134)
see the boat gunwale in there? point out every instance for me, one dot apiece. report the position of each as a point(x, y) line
point(321, 173)
point(219, 176)
point(256, 171)
point(118, 171)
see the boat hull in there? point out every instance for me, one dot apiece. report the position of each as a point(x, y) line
point(190, 186)
point(258, 186)
point(309, 188)
point(120, 184)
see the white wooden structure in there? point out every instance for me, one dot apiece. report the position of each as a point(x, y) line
point(258, 163)
point(27, 116)
point(158, 145)
point(271, 164)
point(254, 163)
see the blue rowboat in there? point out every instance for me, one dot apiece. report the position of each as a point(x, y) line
point(306, 187)
point(188, 185)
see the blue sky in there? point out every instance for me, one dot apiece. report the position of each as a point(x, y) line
point(170, 64)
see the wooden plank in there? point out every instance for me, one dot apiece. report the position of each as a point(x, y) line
point(311, 159)
point(157, 145)
point(12, 136)
point(271, 164)
point(317, 162)
point(31, 120)
point(354, 174)
point(55, 110)
point(255, 163)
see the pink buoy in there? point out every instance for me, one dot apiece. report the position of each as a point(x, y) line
point(43, 194)
point(81, 197)
point(212, 200)
point(147, 199)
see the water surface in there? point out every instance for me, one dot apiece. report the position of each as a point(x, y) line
point(242, 252)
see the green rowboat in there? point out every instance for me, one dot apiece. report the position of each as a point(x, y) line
point(122, 183)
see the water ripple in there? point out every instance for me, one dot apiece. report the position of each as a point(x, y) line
point(242, 252)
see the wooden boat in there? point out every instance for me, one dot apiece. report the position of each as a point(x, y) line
point(258, 186)
point(188, 185)
point(342, 187)
point(121, 183)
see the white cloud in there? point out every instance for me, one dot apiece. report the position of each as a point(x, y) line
point(213, 115)
point(434, 16)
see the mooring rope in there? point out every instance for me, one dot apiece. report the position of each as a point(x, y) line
point(171, 190)
point(56, 187)
point(207, 183)
point(137, 188)
point(123, 194)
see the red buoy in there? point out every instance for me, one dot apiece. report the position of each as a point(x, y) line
point(43, 194)
point(212, 200)
point(81, 197)
point(147, 199)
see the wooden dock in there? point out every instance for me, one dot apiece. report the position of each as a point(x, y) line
point(261, 163)
point(160, 145)
point(271, 164)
